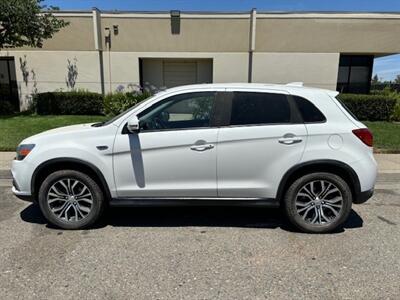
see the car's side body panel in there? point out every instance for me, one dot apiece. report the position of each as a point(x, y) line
point(334, 140)
point(251, 160)
point(79, 142)
point(245, 162)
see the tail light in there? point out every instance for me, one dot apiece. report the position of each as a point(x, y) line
point(364, 135)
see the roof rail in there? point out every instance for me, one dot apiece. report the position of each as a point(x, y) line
point(295, 83)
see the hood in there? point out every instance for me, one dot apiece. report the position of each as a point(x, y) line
point(65, 129)
point(59, 132)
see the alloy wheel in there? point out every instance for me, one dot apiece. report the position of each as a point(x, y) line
point(70, 200)
point(319, 202)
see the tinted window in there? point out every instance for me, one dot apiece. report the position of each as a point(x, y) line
point(177, 112)
point(354, 73)
point(259, 108)
point(346, 108)
point(309, 112)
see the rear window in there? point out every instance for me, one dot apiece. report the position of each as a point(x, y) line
point(259, 108)
point(346, 109)
point(309, 112)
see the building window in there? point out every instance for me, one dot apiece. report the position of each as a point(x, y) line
point(8, 82)
point(355, 74)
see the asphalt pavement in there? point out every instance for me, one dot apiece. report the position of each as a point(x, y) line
point(201, 253)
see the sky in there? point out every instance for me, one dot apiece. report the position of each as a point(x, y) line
point(385, 67)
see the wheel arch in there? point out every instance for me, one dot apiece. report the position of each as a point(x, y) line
point(52, 165)
point(331, 166)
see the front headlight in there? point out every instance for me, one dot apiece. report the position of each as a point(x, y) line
point(23, 150)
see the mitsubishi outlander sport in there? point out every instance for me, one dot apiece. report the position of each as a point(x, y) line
point(223, 144)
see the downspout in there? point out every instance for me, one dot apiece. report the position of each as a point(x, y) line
point(252, 46)
point(98, 44)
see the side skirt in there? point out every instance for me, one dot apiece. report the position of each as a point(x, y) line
point(163, 202)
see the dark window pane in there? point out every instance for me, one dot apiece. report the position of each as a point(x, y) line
point(343, 75)
point(308, 111)
point(177, 112)
point(354, 74)
point(259, 108)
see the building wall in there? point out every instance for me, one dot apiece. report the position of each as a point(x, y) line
point(227, 67)
point(196, 35)
point(288, 47)
point(351, 33)
point(77, 36)
point(47, 71)
point(314, 69)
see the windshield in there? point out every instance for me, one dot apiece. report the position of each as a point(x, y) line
point(105, 123)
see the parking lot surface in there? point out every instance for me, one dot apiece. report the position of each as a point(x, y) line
point(201, 253)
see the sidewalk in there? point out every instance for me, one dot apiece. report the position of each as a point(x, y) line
point(387, 163)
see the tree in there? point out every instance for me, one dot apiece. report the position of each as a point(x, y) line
point(27, 23)
point(375, 79)
point(397, 79)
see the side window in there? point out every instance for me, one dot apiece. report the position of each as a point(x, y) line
point(179, 112)
point(259, 108)
point(309, 112)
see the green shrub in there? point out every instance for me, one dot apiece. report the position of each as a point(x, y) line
point(6, 108)
point(116, 103)
point(396, 112)
point(370, 107)
point(69, 103)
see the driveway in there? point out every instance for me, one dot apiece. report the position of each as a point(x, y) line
point(201, 253)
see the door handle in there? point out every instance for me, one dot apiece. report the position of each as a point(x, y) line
point(202, 147)
point(290, 139)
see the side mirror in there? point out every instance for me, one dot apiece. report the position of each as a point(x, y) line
point(133, 124)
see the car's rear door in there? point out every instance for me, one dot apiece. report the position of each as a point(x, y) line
point(264, 138)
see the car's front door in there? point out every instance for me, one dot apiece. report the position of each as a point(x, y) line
point(174, 152)
point(264, 138)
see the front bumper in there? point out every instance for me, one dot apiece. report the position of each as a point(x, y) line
point(22, 195)
point(21, 174)
point(16, 184)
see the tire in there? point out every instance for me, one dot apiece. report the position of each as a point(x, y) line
point(302, 204)
point(71, 199)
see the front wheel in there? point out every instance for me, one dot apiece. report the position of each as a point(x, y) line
point(71, 199)
point(318, 202)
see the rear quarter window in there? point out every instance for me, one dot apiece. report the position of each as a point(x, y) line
point(309, 112)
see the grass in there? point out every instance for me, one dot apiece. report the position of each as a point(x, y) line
point(386, 136)
point(13, 129)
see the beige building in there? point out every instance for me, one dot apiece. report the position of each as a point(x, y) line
point(108, 51)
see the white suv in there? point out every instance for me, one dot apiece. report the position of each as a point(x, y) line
point(226, 144)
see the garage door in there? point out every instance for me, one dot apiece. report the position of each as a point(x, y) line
point(169, 72)
point(179, 73)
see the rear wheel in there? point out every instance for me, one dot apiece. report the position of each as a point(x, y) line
point(71, 199)
point(318, 202)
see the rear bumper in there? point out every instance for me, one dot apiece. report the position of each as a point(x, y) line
point(362, 197)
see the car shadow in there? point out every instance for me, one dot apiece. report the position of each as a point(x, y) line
point(245, 217)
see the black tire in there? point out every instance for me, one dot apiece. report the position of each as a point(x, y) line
point(304, 225)
point(97, 197)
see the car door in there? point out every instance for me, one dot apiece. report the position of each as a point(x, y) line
point(174, 152)
point(264, 138)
